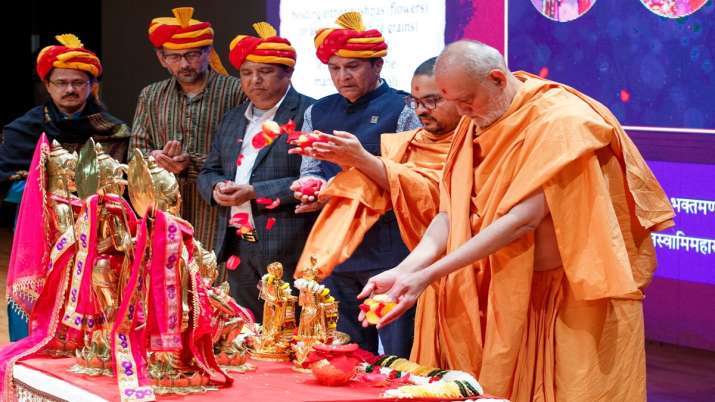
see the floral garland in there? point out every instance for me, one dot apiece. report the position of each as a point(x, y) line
point(424, 381)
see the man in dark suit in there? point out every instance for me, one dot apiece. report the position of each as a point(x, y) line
point(248, 177)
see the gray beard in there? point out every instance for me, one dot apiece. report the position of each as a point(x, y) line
point(500, 106)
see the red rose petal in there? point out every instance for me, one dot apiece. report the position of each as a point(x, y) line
point(233, 262)
point(239, 160)
point(310, 187)
point(259, 141)
point(274, 204)
point(270, 222)
point(239, 218)
point(544, 72)
point(374, 379)
point(288, 128)
point(269, 203)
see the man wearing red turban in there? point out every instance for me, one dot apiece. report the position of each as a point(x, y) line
point(367, 107)
point(71, 116)
point(175, 119)
point(245, 173)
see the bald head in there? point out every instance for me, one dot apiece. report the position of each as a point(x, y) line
point(475, 58)
point(474, 76)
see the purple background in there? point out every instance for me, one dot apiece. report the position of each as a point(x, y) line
point(666, 65)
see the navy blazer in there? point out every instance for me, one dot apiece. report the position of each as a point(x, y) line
point(273, 172)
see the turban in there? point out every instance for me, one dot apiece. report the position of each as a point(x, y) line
point(268, 47)
point(351, 41)
point(70, 54)
point(182, 32)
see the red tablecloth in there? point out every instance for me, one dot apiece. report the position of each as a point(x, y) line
point(270, 382)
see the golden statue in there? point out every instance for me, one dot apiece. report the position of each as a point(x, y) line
point(273, 343)
point(153, 188)
point(318, 317)
point(317, 305)
point(61, 167)
point(105, 177)
point(61, 196)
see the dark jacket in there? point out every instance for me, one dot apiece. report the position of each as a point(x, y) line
point(272, 174)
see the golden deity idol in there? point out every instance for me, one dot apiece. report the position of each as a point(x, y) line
point(278, 316)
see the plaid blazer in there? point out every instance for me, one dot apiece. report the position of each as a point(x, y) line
point(272, 174)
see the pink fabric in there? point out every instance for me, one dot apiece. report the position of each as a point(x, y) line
point(200, 337)
point(44, 319)
point(128, 332)
point(80, 311)
point(165, 307)
point(31, 242)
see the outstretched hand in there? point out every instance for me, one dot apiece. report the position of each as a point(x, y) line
point(400, 286)
point(341, 148)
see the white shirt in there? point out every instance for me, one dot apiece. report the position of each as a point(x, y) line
point(256, 117)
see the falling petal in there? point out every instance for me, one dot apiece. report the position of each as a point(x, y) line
point(270, 222)
point(233, 262)
point(274, 204)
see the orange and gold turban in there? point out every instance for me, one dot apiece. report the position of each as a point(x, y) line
point(351, 41)
point(268, 47)
point(182, 32)
point(70, 54)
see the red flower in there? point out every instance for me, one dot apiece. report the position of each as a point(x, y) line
point(233, 262)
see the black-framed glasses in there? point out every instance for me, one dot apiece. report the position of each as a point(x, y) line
point(62, 84)
point(190, 57)
point(429, 102)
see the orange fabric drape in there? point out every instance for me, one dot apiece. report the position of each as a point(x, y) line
point(413, 164)
point(604, 202)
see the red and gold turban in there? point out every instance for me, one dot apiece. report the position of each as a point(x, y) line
point(268, 47)
point(70, 54)
point(351, 41)
point(182, 32)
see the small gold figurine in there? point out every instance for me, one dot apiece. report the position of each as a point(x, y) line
point(318, 317)
point(278, 316)
point(61, 167)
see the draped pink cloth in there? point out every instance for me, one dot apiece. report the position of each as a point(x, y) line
point(158, 323)
point(37, 273)
point(30, 251)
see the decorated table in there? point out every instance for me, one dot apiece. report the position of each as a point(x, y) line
point(51, 379)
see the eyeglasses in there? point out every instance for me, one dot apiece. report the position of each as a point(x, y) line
point(190, 57)
point(428, 102)
point(62, 84)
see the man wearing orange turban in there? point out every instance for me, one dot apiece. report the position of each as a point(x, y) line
point(532, 276)
point(367, 107)
point(71, 116)
point(175, 119)
point(248, 176)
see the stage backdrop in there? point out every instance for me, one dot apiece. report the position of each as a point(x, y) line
point(651, 62)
